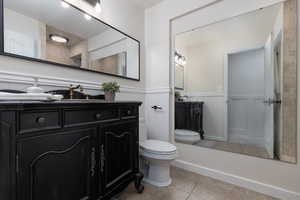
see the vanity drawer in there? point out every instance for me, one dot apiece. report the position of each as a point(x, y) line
point(129, 112)
point(77, 117)
point(38, 121)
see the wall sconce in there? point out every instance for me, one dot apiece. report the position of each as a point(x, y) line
point(180, 59)
point(97, 4)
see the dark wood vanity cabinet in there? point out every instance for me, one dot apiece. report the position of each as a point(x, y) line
point(189, 116)
point(118, 153)
point(56, 166)
point(62, 151)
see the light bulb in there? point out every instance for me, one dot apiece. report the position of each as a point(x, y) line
point(87, 17)
point(98, 7)
point(59, 38)
point(64, 4)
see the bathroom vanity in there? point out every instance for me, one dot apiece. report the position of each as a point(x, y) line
point(73, 149)
point(189, 116)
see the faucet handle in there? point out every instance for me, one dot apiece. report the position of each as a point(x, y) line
point(81, 88)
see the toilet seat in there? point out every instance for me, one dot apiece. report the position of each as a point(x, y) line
point(158, 147)
point(187, 136)
point(183, 132)
point(158, 150)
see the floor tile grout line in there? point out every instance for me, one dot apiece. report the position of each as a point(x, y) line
point(191, 191)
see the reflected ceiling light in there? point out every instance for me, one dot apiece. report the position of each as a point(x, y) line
point(64, 4)
point(87, 17)
point(98, 6)
point(59, 38)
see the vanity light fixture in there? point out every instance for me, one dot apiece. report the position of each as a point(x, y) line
point(87, 17)
point(64, 4)
point(98, 6)
point(59, 38)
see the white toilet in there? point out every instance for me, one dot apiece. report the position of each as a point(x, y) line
point(187, 136)
point(158, 155)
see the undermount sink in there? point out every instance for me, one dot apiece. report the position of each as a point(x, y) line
point(82, 100)
point(77, 96)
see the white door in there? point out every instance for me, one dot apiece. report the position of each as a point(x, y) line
point(246, 96)
point(269, 97)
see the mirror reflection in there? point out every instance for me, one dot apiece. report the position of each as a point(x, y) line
point(236, 84)
point(56, 32)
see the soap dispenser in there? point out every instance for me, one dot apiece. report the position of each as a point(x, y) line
point(35, 89)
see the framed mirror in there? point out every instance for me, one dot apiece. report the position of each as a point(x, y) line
point(54, 32)
point(179, 72)
point(240, 81)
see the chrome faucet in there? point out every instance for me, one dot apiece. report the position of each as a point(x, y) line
point(82, 91)
point(72, 88)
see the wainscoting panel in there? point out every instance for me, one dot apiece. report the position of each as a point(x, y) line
point(214, 115)
point(246, 119)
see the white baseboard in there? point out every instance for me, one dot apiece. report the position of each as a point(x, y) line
point(216, 138)
point(263, 188)
point(245, 139)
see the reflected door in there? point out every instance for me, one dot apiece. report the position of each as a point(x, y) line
point(245, 97)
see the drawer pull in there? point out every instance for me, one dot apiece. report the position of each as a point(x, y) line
point(41, 120)
point(98, 116)
point(129, 112)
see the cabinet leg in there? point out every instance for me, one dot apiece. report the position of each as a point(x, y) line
point(202, 135)
point(138, 182)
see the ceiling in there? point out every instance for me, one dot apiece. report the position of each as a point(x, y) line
point(52, 13)
point(145, 3)
point(247, 29)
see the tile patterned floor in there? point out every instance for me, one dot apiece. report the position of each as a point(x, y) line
point(247, 149)
point(190, 186)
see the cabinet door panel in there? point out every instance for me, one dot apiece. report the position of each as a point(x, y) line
point(119, 147)
point(56, 167)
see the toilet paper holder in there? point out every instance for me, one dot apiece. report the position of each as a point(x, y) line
point(157, 107)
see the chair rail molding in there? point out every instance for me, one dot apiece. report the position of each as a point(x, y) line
point(158, 90)
point(17, 78)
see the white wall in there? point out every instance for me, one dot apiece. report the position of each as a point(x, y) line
point(272, 177)
point(110, 43)
point(29, 41)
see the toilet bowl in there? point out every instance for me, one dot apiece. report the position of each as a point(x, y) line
point(187, 136)
point(158, 155)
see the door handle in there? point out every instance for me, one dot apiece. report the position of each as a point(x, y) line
point(157, 107)
point(102, 158)
point(272, 101)
point(93, 162)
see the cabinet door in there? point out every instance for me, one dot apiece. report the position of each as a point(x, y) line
point(57, 166)
point(118, 153)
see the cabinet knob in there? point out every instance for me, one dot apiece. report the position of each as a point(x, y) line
point(129, 112)
point(41, 120)
point(98, 116)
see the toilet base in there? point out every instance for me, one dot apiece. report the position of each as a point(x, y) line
point(158, 173)
point(158, 184)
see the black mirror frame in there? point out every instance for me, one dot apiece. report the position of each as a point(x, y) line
point(3, 53)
